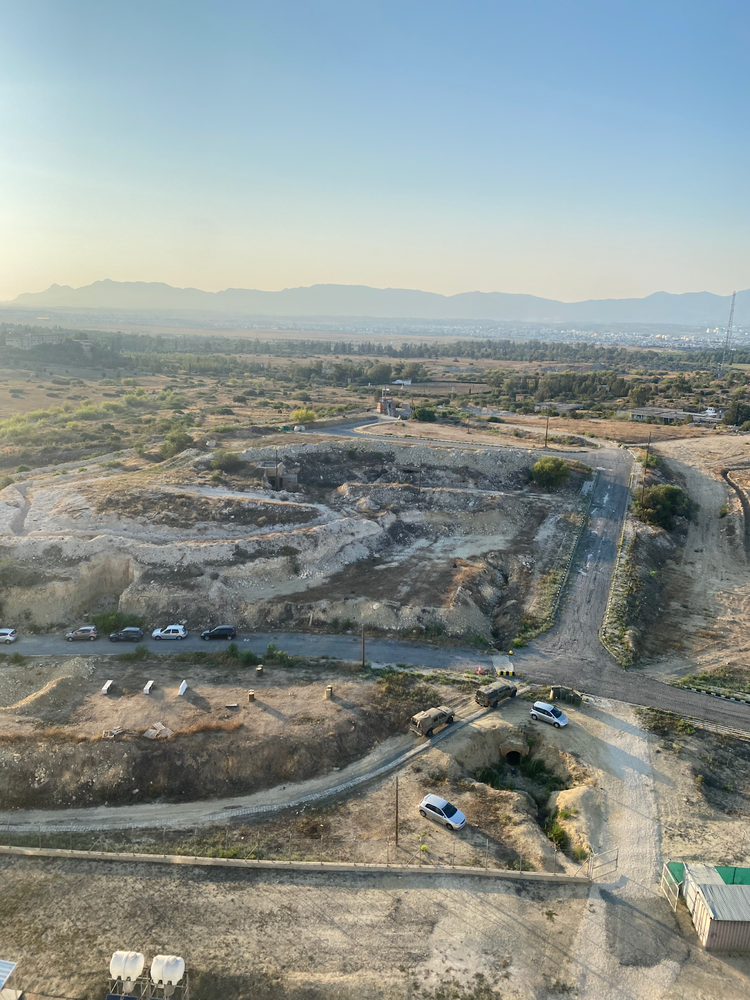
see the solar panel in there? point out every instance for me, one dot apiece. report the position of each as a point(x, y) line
point(6, 971)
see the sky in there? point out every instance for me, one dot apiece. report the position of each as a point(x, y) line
point(565, 149)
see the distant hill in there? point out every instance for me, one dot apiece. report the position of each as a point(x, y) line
point(689, 308)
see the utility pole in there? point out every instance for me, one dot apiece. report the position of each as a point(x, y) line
point(363, 647)
point(276, 482)
point(546, 431)
point(645, 467)
point(729, 333)
point(397, 813)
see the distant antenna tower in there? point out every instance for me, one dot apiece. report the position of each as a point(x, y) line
point(729, 333)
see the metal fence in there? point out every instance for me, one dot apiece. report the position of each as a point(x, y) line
point(670, 886)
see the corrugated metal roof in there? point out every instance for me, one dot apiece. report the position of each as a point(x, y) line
point(6, 971)
point(703, 874)
point(727, 902)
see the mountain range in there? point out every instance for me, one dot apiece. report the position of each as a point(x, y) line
point(688, 308)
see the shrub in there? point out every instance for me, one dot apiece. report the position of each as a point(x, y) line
point(424, 413)
point(174, 443)
point(247, 658)
point(226, 461)
point(556, 834)
point(302, 415)
point(113, 621)
point(18, 659)
point(659, 505)
point(278, 655)
point(550, 472)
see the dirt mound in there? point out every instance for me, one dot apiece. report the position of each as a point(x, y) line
point(580, 812)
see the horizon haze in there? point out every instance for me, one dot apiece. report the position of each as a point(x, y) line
point(334, 300)
point(571, 153)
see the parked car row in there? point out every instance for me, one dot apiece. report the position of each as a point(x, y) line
point(134, 634)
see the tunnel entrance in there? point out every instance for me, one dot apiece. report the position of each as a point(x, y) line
point(513, 757)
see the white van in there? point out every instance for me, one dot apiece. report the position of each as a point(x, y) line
point(543, 712)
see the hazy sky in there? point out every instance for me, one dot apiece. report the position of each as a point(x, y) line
point(567, 149)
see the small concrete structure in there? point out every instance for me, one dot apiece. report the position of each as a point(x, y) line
point(560, 693)
point(251, 695)
point(329, 693)
point(107, 686)
point(279, 475)
point(147, 687)
point(183, 688)
point(549, 404)
point(259, 670)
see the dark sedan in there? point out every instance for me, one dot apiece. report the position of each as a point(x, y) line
point(130, 634)
point(220, 632)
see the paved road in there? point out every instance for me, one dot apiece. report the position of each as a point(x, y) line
point(569, 654)
point(298, 643)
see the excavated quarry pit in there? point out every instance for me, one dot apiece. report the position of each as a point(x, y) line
point(448, 543)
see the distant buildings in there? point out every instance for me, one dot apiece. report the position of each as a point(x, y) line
point(560, 407)
point(664, 415)
point(25, 341)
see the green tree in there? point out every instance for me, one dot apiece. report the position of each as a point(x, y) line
point(737, 413)
point(424, 413)
point(379, 372)
point(639, 395)
point(302, 415)
point(659, 505)
point(174, 443)
point(550, 472)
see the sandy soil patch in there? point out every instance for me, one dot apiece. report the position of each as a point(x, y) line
point(52, 752)
point(705, 602)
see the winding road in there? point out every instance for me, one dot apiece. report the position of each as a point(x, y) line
point(570, 653)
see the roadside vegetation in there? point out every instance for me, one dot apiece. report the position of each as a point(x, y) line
point(660, 504)
point(550, 473)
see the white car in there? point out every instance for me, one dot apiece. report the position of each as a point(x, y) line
point(170, 632)
point(8, 635)
point(433, 807)
point(548, 713)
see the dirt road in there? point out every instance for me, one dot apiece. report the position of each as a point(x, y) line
point(571, 652)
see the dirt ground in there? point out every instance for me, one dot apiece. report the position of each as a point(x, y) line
point(705, 601)
point(302, 936)
point(532, 429)
point(52, 752)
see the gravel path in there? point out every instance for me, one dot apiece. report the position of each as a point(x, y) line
point(628, 945)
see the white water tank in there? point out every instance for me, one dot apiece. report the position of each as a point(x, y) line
point(126, 965)
point(167, 970)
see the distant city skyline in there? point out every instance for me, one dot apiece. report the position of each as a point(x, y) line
point(567, 152)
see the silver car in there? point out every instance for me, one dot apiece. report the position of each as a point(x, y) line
point(433, 807)
point(170, 632)
point(8, 635)
point(548, 713)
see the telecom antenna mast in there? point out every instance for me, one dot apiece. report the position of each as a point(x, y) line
point(729, 332)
